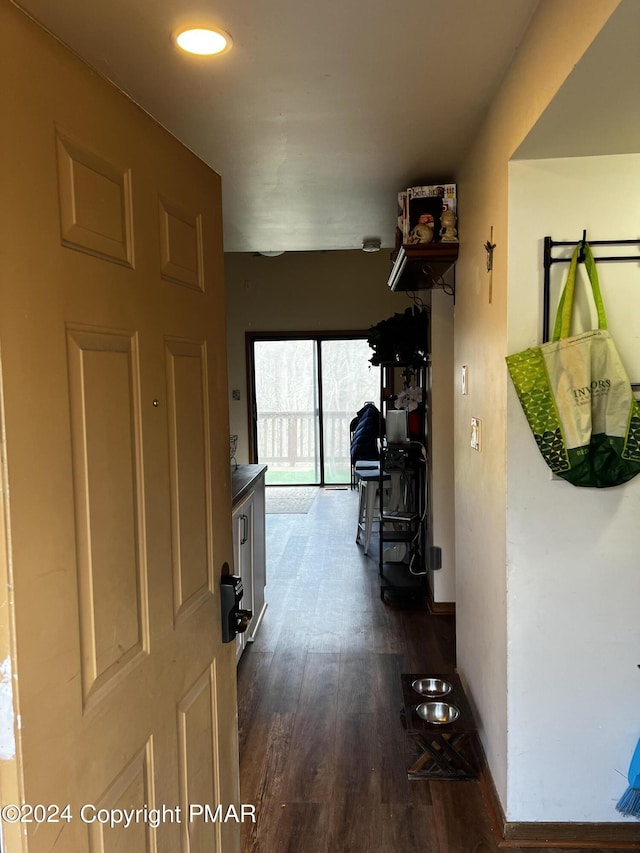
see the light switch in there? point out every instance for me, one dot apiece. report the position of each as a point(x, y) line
point(476, 433)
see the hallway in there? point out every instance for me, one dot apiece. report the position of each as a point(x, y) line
point(323, 755)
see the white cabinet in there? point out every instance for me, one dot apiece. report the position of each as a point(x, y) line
point(243, 559)
point(250, 557)
point(258, 559)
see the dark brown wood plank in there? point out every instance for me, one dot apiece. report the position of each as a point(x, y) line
point(393, 746)
point(324, 755)
point(252, 673)
point(263, 762)
point(461, 817)
point(354, 825)
point(299, 828)
point(405, 827)
point(358, 684)
point(310, 771)
point(430, 641)
point(284, 681)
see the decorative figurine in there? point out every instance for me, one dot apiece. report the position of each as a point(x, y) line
point(448, 233)
point(422, 232)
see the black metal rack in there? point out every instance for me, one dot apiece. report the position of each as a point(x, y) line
point(405, 527)
point(549, 260)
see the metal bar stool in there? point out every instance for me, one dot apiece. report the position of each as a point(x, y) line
point(367, 475)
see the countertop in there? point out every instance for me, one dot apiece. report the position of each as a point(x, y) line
point(243, 479)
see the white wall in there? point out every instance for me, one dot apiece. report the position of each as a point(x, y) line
point(551, 49)
point(573, 578)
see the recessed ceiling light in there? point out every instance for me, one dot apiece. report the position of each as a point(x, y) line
point(204, 42)
point(371, 244)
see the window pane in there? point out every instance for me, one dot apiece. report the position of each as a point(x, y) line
point(348, 381)
point(287, 410)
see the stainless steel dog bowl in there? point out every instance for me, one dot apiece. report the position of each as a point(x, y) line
point(439, 713)
point(431, 686)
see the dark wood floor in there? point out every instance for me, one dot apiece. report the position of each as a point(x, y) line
point(323, 755)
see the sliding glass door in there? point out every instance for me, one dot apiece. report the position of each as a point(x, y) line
point(347, 382)
point(306, 391)
point(286, 410)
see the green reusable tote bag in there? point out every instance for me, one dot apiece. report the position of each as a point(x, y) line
point(577, 397)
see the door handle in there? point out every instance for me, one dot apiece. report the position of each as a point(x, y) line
point(245, 528)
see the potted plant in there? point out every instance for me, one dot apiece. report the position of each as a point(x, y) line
point(411, 399)
point(401, 339)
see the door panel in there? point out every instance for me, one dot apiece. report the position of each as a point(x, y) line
point(189, 440)
point(95, 203)
point(107, 462)
point(133, 788)
point(181, 245)
point(116, 425)
point(199, 782)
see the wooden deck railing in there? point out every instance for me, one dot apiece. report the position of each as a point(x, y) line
point(291, 439)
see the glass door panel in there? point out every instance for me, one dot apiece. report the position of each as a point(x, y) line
point(286, 397)
point(348, 381)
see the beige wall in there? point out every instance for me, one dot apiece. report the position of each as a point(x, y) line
point(559, 34)
point(300, 291)
point(443, 581)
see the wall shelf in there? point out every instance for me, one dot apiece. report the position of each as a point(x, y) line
point(422, 266)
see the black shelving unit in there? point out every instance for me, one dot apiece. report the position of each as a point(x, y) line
point(403, 510)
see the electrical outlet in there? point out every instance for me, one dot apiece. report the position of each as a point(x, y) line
point(476, 433)
point(235, 394)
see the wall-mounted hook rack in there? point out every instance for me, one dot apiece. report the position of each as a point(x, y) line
point(549, 260)
point(583, 243)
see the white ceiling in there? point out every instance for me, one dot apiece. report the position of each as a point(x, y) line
point(597, 109)
point(320, 113)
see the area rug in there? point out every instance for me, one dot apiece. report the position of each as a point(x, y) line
point(290, 499)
